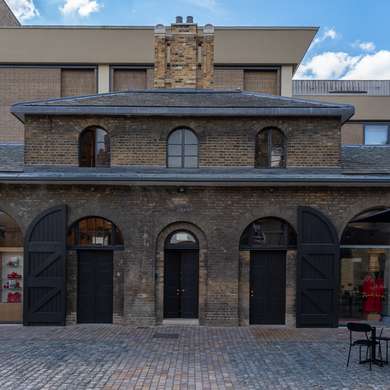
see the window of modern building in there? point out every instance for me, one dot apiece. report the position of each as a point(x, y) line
point(376, 134)
point(94, 147)
point(94, 232)
point(270, 149)
point(183, 148)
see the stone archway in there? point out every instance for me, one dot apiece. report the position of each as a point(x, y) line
point(160, 261)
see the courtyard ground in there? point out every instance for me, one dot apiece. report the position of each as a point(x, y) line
point(180, 357)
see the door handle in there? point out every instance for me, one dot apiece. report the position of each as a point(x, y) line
point(183, 290)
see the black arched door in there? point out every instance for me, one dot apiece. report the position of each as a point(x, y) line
point(181, 276)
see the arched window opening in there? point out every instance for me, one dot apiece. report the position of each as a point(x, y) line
point(268, 233)
point(11, 270)
point(365, 267)
point(94, 232)
point(94, 145)
point(270, 149)
point(181, 239)
point(183, 148)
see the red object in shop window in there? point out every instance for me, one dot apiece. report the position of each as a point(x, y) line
point(14, 275)
point(373, 292)
point(14, 297)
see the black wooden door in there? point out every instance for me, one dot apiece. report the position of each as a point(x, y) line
point(44, 269)
point(317, 270)
point(267, 287)
point(181, 284)
point(95, 287)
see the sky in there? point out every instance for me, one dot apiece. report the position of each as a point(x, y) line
point(353, 41)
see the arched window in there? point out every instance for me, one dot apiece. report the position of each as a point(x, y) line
point(270, 149)
point(181, 240)
point(94, 232)
point(183, 147)
point(94, 145)
point(268, 233)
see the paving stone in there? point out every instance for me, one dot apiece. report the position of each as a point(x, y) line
point(201, 358)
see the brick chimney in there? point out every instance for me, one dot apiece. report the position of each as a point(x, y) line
point(184, 55)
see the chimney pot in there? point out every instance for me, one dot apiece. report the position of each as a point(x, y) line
point(179, 19)
point(190, 19)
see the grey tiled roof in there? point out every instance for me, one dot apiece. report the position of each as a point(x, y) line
point(203, 176)
point(11, 157)
point(366, 159)
point(179, 102)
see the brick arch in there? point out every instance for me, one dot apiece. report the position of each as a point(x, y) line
point(160, 258)
point(354, 213)
point(244, 272)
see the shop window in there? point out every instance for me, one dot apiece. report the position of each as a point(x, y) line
point(11, 270)
point(365, 268)
point(94, 232)
point(94, 145)
point(183, 147)
point(270, 149)
point(268, 233)
point(376, 134)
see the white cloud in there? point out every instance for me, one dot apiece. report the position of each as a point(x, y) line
point(340, 65)
point(329, 33)
point(23, 9)
point(371, 67)
point(328, 65)
point(81, 7)
point(366, 46)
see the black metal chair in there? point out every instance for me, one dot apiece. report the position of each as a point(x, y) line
point(386, 340)
point(355, 327)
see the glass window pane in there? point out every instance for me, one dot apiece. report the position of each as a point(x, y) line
point(174, 162)
point(175, 138)
point(376, 135)
point(262, 150)
point(277, 157)
point(175, 150)
point(191, 150)
point(190, 137)
point(181, 237)
point(190, 162)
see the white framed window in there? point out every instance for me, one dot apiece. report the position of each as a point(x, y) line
point(376, 134)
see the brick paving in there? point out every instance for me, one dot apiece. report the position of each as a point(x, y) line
point(114, 357)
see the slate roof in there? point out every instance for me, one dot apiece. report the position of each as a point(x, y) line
point(183, 102)
point(11, 157)
point(366, 159)
point(188, 177)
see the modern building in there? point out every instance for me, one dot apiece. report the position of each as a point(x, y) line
point(168, 173)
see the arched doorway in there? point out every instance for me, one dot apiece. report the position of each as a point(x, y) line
point(267, 241)
point(11, 270)
point(365, 268)
point(94, 239)
point(181, 275)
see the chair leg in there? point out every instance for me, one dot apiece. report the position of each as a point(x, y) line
point(349, 355)
point(371, 356)
point(360, 353)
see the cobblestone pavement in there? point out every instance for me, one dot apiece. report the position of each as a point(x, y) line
point(115, 357)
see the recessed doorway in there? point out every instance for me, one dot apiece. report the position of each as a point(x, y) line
point(181, 276)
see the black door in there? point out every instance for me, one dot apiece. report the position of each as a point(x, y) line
point(95, 287)
point(181, 284)
point(44, 269)
point(317, 270)
point(267, 287)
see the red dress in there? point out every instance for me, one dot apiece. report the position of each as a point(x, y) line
point(373, 292)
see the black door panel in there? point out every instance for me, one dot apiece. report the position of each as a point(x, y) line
point(95, 287)
point(267, 287)
point(181, 284)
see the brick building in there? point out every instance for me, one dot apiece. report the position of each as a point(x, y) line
point(186, 201)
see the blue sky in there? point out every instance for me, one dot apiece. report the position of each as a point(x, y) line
point(353, 41)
